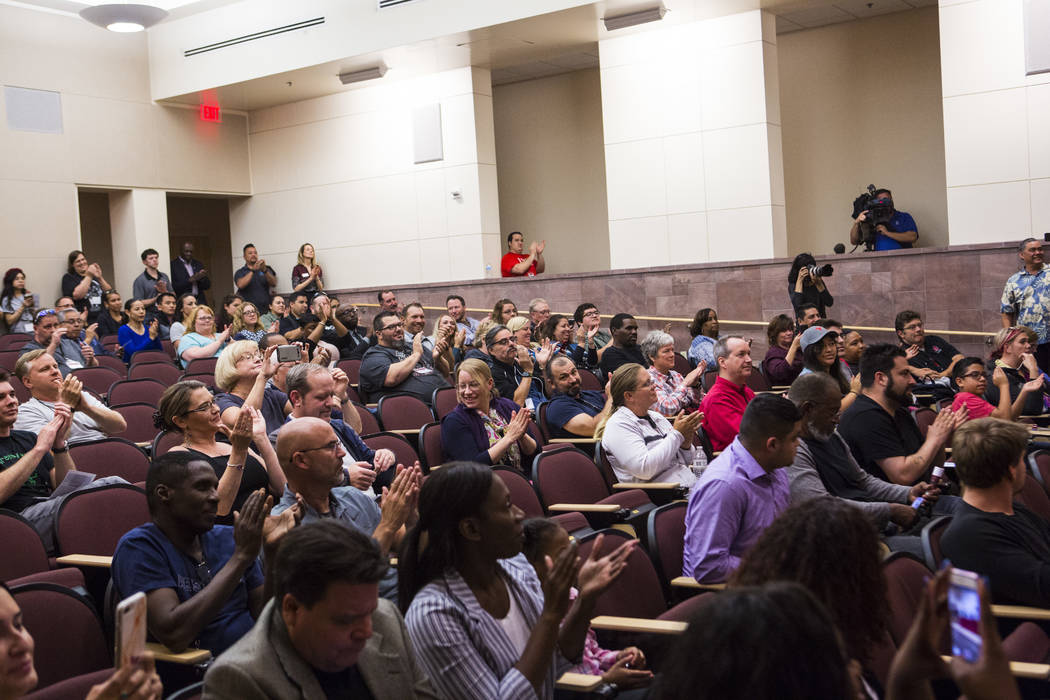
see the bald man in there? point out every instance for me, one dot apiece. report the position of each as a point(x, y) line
point(311, 455)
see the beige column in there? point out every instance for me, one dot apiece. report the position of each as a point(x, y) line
point(138, 219)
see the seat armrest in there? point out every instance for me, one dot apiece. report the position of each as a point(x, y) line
point(690, 582)
point(573, 441)
point(638, 624)
point(1022, 669)
point(1021, 611)
point(578, 682)
point(647, 485)
point(584, 508)
point(190, 657)
point(92, 560)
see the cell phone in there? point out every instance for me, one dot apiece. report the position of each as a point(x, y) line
point(130, 633)
point(289, 353)
point(964, 609)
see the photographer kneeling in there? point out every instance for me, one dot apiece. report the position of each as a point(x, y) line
point(806, 284)
point(878, 225)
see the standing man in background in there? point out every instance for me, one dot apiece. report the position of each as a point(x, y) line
point(516, 264)
point(152, 282)
point(188, 275)
point(254, 280)
point(1026, 297)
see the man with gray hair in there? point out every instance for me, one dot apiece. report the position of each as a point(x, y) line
point(724, 404)
point(539, 311)
point(824, 465)
point(50, 336)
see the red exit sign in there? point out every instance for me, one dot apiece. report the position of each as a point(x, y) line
point(211, 113)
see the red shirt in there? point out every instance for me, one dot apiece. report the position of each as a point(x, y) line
point(512, 259)
point(723, 407)
point(979, 408)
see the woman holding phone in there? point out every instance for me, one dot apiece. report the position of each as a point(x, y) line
point(17, 304)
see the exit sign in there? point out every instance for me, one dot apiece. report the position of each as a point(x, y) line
point(211, 113)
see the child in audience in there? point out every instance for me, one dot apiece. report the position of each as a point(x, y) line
point(972, 379)
point(544, 541)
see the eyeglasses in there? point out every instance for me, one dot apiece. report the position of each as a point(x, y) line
point(330, 446)
point(591, 312)
point(206, 406)
point(913, 327)
point(505, 341)
point(474, 386)
point(253, 356)
point(393, 327)
point(974, 375)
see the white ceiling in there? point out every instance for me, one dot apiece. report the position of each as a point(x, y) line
point(535, 47)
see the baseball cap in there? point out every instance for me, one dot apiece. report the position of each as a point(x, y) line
point(814, 334)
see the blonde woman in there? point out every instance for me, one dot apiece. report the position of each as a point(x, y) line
point(484, 427)
point(242, 374)
point(247, 325)
point(307, 275)
point(202, 341)
point(641, 444)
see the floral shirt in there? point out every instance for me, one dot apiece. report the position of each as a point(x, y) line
point(1028, 296)
point(672, 395)
point(596, 660)
point(495, 429)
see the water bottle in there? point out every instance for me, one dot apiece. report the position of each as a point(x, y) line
point(699, 463)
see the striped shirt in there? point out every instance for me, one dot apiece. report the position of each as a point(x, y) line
point(464, 650)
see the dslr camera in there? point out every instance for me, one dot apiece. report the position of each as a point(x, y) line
point(880, 211)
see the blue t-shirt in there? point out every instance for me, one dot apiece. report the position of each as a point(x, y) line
point(273, 402)
point(563, 408)
point(900, 222)
point(146, 560)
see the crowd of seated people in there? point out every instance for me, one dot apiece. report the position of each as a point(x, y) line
point(274, 517)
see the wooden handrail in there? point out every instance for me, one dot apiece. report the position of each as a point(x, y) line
point(722, 322)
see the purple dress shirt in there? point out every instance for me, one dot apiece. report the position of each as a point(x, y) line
point(729, 509)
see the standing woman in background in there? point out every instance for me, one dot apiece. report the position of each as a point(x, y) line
point(805, 287)
point(134, 335)
point(16, 303)
point(704, 330)
point(307, 275)
point(84, 284)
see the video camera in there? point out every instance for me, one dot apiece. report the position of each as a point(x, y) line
point(880, 211)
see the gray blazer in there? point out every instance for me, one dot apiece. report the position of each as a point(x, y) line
point(264, 664)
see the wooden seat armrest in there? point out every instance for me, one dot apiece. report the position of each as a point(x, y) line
point(190, 657)
point(1022, 669)
point(1021, 611)
point(405, 431)
point(638, 624)
point(647, 485)
point(93, 560)
point(578, 682)
point(573, 441)
point(690, 582)
point(584, 508)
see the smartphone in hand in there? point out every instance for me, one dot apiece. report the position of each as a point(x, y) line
point(964, 610)
point(130, 632)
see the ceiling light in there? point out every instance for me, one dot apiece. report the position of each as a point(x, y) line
point(629, 20)
point(361, 75)
point(123, 17)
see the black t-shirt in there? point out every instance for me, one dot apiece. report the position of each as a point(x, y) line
point(1013, 551)
point(288, 323)
point(92, 301)
point(613, 357)
point(1033, 403)
point(38, 485)
point(107, 326)
point(872, 434)
point(420, 383)
point(258, 290)
point(347, 684)
point(936, 354)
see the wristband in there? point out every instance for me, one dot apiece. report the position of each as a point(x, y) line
point(526, 374)
point(238, 467)
point(60, 450)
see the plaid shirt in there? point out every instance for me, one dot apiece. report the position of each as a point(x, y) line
point(672, 395)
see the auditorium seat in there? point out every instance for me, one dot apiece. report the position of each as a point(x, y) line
point(98, 379)
point(114, 456)
point(636, 592)
point(430, 451)
point(444, 401)
point(369, 423)
point(404, 452)
point(139, 419)
point(114, 363)
point(22, 552)
point(931, 541)
point(164, 441)
point(589, 380)
point(521, 492)
point(403, 412)
point(150, 356)
point(80, 530)
point(163, 372)
point(128, 391)
point(66, 629)
point(666, 532)
point(202, 365)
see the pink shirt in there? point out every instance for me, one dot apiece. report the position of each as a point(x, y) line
point(979, 408)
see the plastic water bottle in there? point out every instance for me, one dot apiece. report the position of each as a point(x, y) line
point(699, 463)
point(923, 507)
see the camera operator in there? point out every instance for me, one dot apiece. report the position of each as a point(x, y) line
point(893, 229)
point(806, 285)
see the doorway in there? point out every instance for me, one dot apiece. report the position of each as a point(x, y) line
point(204, 222)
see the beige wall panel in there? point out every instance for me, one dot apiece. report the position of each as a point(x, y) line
point(861, 103)
point(551, 168)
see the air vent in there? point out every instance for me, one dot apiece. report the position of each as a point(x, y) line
point(252, 37)
point(384, 4)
